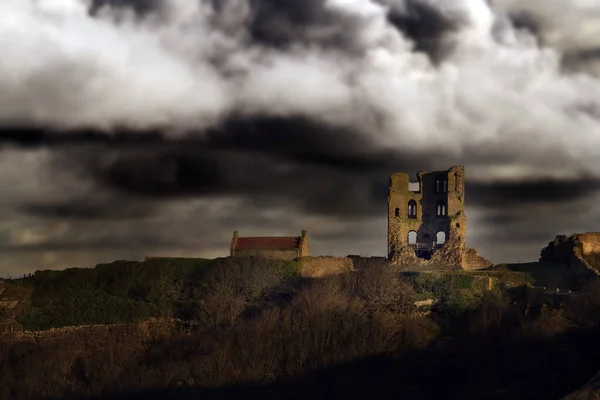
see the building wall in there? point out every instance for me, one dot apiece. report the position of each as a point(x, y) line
point(591, 242)
point(577, 252)
point(304, 245)
point(561, 248)
point(471, 260)
point(271, 254)
point(427, 222)
point(318, 267)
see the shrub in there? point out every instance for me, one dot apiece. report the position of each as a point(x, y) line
point(548, 323)
point(583, 309)
point(490, 313)
point(381, 289)
point(220, 306)
point(251, 277)
point(292, 270)
point(459, 303)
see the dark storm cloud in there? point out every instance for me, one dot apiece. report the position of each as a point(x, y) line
point(37, 136)
point(273, 181)
point(527, 20)
point(499, 217)
point(293, 60)
point(566, 26)
point(585, 55)
point(297, 138)
point(506, 236)
point(584, 60)
point(294, 161)
point(284, 23)
point(89, 209)
point(514, 193)
point(303, 140)
point(105, 243)
point(277, 161)
point(280, 23)
point(141, 7)
point(426, 26)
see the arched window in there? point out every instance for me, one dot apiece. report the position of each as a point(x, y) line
point(397, 212)
point(445, 185)
point(441, 209)
point(440, 237)
point(437, 185)
point(412, 209)
point(412, 237)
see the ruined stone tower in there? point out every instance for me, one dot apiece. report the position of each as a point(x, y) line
point(426, 219)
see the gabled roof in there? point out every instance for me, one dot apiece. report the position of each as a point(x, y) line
point(267, 243)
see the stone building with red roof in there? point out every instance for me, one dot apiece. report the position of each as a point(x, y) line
point(279, 247)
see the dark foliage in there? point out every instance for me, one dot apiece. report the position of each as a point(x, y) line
point(262, 331)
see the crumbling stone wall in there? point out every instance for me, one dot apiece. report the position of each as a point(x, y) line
point(152, 328)
point(434, 188)
point(472, 260)
point(590, 247)
point(446, 188)
point(578, 252)
point(590, 242)
point(319, 267)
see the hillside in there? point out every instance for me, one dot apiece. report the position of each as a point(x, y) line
point(130, 291)
point(254, 328)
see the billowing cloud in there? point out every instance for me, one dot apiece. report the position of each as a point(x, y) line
point(570, 27)
point(291, 114)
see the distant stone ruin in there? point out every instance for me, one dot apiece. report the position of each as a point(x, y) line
point(579, 252)
point(427, 225)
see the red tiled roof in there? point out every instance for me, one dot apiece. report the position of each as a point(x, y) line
point(267, 243)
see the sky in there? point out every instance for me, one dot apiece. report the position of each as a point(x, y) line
point(147, 127)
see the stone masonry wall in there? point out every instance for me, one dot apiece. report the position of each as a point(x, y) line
point(576, 252)
point(472, 260)
point(426, 222)
point(319, 267)
point(590, 241)
point(304, 245)
point(271, 254)
point(454, 253)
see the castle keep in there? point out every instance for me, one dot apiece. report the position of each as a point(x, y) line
point(427, 224)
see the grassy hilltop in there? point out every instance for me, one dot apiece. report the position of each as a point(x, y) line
point(254, 328)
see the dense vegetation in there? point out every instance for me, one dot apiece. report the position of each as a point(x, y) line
point(129, 291)
point(261, 331)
